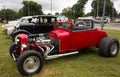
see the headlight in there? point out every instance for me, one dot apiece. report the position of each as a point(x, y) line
point(24, 46)
point(17, 26)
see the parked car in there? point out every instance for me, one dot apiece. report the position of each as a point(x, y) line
point(39, 24)
point(85, 22)
point(9, 28)
point(31, 51)
point(99, 20)
point(116, 20)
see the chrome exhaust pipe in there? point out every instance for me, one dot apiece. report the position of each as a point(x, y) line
point(60, 55)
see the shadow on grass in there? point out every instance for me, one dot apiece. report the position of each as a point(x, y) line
point(88, 51)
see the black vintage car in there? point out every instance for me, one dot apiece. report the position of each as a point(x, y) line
point(39, 24)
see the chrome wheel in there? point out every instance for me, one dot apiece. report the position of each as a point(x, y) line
point(114, 48)
point(31, 64)
point(16, 37)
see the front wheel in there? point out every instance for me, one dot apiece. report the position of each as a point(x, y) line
point(109, 47)
point(30, 62)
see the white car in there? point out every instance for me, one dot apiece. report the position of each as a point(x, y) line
point(116, 20)
point(9, 28)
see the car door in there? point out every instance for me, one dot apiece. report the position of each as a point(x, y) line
point(44, 26)
point(83, 39)
point(41, 28)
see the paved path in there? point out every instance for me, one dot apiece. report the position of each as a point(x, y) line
point(113, 26)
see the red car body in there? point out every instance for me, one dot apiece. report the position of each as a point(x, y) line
point(75, 40)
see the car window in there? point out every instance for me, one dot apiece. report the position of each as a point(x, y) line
point(35, 20)
point(83, 23)
point(88, 23)
point(63, 26)
point(41, 20)
point(45, 20)
point(80, 23)
point(24, 21)
point(53, 20)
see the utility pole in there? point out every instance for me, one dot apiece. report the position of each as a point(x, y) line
point(112, 12)
point(102, 24)
point(51, 6)
point(97, 8)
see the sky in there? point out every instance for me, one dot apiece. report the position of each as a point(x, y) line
point(57, 5)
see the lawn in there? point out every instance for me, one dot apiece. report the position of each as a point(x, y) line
point(87, 64)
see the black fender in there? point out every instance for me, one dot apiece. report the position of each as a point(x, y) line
point(20, 32)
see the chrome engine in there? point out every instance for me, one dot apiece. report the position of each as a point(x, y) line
point(43, 43)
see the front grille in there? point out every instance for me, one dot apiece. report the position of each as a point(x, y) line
point(56, 43)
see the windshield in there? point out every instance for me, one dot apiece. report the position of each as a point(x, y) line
point(63, 25)
point(83, 23)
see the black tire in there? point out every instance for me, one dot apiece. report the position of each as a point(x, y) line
point(14, 50)
point(28, 58)
point(109, 47)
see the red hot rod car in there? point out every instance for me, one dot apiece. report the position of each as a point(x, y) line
point(31, 51)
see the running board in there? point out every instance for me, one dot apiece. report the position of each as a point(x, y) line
point(60, 55)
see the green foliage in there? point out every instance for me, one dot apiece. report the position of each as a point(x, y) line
point(68, 12)
point(8, 14)
point(78, 8)
point(31, 8)
point(76, 11)
point(118, 15)
point(97, 5)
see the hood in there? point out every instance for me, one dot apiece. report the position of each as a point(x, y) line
point(59, 33)
point(13, 22)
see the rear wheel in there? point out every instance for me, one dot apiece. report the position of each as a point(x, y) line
point(109, 47)
point(30, 62)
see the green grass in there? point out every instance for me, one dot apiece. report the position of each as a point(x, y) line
point(87, 64)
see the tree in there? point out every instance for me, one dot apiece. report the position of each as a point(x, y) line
point(97, 8)
point(118, 15)
point(78, 8)
point(88, 14)
point(49, 14)
point(8, 14)
point(68, 12)
point(31, 8)
point(57, 13)
point(76, 11)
